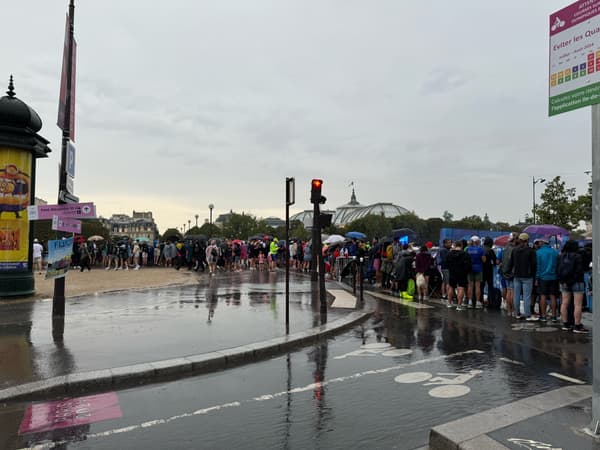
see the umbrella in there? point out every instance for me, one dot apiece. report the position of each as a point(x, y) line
point(501, 241)
point(237, 241)
point(95, 238)
point(334, 239)
point(142, 239)
point(546, 230)
point(355, 235)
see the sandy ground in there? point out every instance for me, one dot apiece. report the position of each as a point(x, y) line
point(100, 280)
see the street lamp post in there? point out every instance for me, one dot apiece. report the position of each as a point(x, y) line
point(210, 207)
point(534, 182)
point(196, 216)
point(189, 225)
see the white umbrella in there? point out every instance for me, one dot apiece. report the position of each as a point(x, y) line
point(95, 238)
point(334, 239)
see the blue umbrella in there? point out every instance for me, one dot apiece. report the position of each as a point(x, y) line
point(355, 235)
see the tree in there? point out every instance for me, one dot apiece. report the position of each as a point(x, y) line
point(209, 230)
point(558, 205)
point(171, 233)
point(447, 216)
point(373, 225)
point(583, 205)
point(240, 226)
point(91, 227)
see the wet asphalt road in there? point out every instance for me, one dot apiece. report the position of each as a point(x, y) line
point(381, 385)
point(120, 329)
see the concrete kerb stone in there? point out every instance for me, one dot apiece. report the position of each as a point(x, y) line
point(145, 373)
point(464, 433)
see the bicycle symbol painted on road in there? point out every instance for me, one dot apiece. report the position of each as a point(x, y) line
point(377, 348)
point(446, 387)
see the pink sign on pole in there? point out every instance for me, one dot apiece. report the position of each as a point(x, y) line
point(70, 413)
point(71, 210)
point(65, 224)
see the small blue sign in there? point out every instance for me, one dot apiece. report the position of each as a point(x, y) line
point(71, 159)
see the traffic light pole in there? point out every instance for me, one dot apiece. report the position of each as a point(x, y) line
point(316, 238)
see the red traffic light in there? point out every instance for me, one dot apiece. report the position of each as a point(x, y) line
point(315, 190)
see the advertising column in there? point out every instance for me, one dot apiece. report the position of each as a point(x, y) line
point(15, 197)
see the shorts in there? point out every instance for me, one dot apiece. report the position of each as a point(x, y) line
point(503, 282)
point(273, 256)
point(510, 284)
point(37, 259)
point(575, 288)
point(547, 287)
point(475, 277)
point(458, 282)
point(445, 275)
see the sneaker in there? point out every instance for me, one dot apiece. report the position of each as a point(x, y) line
point(469, 306)
point(543, 319)
point(555, 320)
point(580, 329)
point(478, 305)
point(107, 268)
point(116, 268)
point(449, 305)
point(519, 317)
point(532, 319)
point(136, 268)
point(460, 308)
point(566, 327)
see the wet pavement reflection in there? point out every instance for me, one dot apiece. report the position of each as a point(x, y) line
point(383, 384)
point(126, 328)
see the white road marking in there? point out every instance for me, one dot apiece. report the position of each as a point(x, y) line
point(413, 377)
point(512, 361)
point(309, 387)
point(450, 391)
point(566, 378)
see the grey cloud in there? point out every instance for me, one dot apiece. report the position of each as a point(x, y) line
point(444, 80)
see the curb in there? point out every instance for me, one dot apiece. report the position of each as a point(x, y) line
point(471, 432)
point(174, 368)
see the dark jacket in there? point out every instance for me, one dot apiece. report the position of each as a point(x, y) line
point(459, 263)
point(523, 262)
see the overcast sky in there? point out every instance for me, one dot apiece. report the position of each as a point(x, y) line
point(431, 105)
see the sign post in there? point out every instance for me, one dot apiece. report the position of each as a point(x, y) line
point(574, 82)
point(290, 199)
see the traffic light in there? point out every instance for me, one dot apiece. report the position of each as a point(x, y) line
point(315, 191)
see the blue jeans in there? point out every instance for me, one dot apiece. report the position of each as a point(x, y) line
point(524, 285)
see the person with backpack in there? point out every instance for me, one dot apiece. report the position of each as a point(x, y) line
point(570, 275)
point(508, 275)
point(212, 254)
point(459, 266)
point(493, 299)
point(546, 278)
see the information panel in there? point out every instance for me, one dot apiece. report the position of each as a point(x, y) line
point(574, 57)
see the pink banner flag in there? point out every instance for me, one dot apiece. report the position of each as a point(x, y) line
point(62, 122)
point(70, 413)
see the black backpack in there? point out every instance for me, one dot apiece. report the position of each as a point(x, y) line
point(566, 268)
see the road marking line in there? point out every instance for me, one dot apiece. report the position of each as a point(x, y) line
point(512, 361)
point(309, 387)
point(566, 378)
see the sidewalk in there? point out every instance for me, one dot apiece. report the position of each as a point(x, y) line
point(135, 335)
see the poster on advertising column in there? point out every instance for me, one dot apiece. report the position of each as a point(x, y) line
point(15, 197)
point(574, 79)
point(59, 257)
